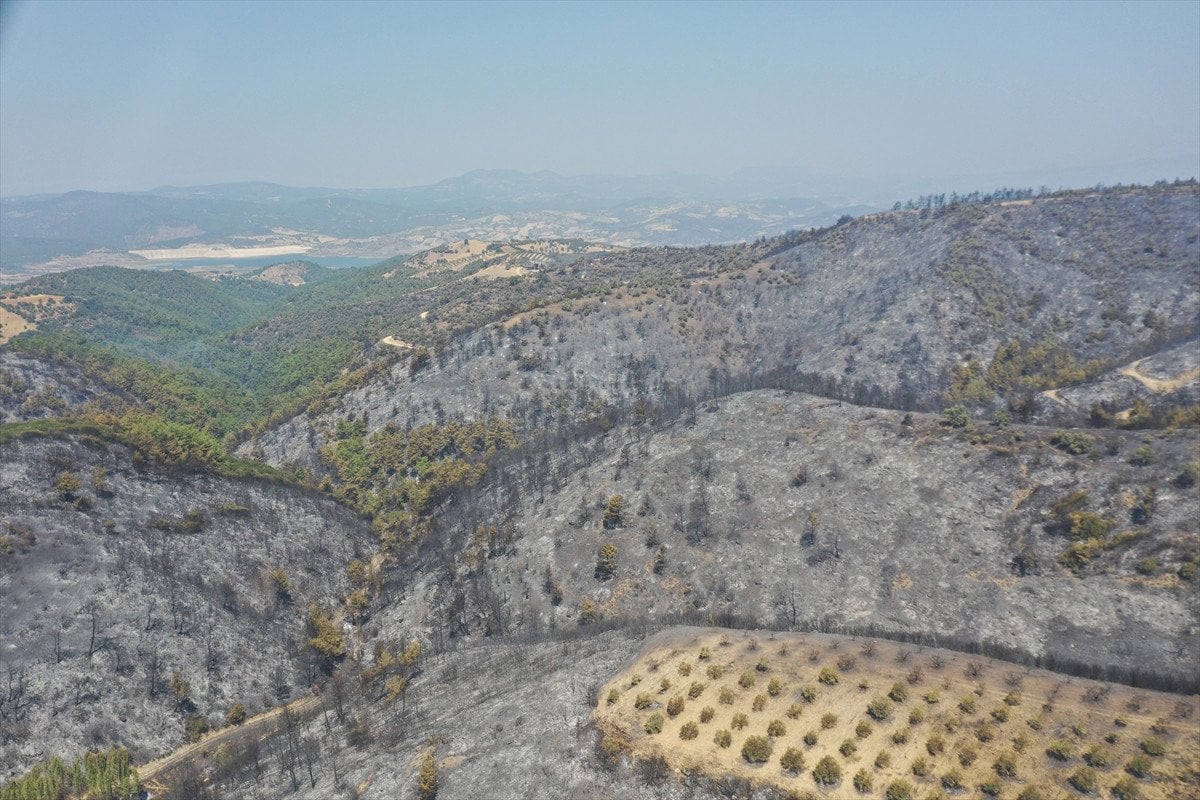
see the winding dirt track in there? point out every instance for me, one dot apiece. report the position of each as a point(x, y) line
point(258, 724)
point(1159, 385)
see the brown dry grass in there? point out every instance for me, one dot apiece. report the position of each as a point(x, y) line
point(500, 270)
point(1044, 707)
point(12, 323)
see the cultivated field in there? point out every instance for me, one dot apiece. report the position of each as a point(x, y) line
point(836, 716)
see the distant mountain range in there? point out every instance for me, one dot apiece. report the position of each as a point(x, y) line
point(47, 233)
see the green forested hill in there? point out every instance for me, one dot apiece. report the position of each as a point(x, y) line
point(156, 311)
point(225, 353)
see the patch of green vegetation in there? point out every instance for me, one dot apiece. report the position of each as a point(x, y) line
point(153, 440)
point(1020, 366)
point(1074, 442)
point(106, 774)
point(827, 772)
point(395, 474)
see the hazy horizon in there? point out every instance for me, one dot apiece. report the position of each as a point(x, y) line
point(901, 98)
point(1141, 172)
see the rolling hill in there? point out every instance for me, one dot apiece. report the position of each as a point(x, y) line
point(490, 471)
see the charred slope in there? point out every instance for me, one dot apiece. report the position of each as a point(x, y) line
point(789, 511)
point(36, 388)
point(983, 304)
point(504, 721)
point(115, 584)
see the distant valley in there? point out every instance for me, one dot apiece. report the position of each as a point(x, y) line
point(173, 227)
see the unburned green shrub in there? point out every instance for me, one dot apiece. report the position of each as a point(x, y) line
point(606, 561)
point(194, 727)
point(956, 417)
point(236, 715)
point(1139, 767)
point(792, 760)
point(756, 749)
point(879, 709)
point(863, 782)
point(1154, 746)
point(1061, 750)
point(1074, 442)
point(1126, 789)
point(1083, 780)
point(953, 780)
point(827, 772)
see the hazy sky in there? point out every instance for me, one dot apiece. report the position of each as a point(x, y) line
point(120, 96)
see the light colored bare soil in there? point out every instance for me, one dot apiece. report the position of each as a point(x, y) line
point(12, 323)
point(1159, 385)
point(501, 270)
point(221, 251)
point(982, 705)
